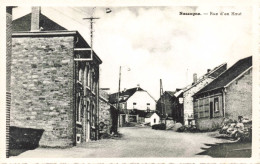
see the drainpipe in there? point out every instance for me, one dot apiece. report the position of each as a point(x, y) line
point(224, 102)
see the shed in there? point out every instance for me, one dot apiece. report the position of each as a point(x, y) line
point(152, 118)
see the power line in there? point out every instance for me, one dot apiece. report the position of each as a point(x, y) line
point(67, 16)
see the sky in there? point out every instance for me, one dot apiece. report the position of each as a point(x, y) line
point(157, 43)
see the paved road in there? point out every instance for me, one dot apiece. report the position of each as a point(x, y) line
point(136, 142)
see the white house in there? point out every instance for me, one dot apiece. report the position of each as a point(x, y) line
point(134, 104)
point(134, 98)
point(152, 118)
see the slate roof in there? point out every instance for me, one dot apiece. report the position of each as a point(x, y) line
point(24, 24)
point(176, 93)
point(227, 76)
point(127, 94)
point(215, 72)
point(171, 93)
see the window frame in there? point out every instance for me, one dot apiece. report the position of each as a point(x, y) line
point(216, 104)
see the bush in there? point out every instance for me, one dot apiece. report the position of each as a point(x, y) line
point(159, 127)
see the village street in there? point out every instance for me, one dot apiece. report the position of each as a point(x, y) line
point(136, 142)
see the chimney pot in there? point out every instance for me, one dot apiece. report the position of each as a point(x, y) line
point(194, 78)
point(35, 19)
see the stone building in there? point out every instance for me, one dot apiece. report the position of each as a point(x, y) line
point(170, 104)
point(106, 112)
point(228, 96)
point(8, 72)
point(54, 84)
point(198, 84)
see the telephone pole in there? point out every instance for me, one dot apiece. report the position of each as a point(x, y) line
point(91, 33)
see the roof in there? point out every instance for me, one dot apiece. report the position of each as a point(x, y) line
point(22, 28)
point(171, 93)
point(149, 115)
point(178, 93)
point(24, 23)
point(226, 77)
point(212, 74)
point(126, 94)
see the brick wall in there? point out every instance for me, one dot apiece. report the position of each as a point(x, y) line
point(239, 97)
point(42, 87)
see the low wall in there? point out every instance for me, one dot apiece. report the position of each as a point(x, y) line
point(207, 124)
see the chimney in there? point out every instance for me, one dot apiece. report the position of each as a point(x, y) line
point(194, 78)
point(138, 86)
point(35, 20)
point(208, 70)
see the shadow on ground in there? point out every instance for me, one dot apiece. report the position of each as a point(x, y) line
point(23, 139)
point(228, 150)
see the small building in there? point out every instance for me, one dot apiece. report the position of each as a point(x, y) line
point(198, 84)
point(106, 112)
point(133, 103)
point(53, 88)
point(152, 118)
point(228, 96)
point(170, 105)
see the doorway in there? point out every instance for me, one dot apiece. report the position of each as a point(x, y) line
point(211, 109)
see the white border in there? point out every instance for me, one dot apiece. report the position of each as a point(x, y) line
point(256, 77)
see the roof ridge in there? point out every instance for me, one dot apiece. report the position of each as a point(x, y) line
point(227, 71)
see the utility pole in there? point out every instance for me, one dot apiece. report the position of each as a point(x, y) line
point(118, 96)
point(91, 33)
point(97, 87)
point(163, 101)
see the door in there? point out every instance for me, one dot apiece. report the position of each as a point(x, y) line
point(211, 109)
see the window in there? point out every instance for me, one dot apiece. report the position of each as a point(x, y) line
point(80, 75)
point(88, 75)
point(148, 106)
point(216, 105)
point(154, 120)
point(78, 138)
point(78, 107)
point(93, 121)
point(134, 105)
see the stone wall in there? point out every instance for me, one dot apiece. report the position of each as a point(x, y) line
point(42, 88)
point(188, 99)
point(239, 97)
point(105, 115)
point(8, 72)
point(206, 124)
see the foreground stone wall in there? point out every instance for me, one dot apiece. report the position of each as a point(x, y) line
point(239, 97)
point(206, 124)
point(42, 88)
